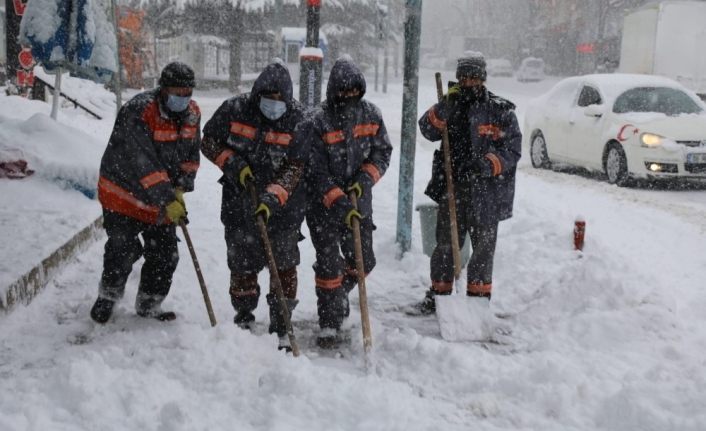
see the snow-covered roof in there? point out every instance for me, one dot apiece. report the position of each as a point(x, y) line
point(299, 34)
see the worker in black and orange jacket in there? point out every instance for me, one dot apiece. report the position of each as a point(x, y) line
point(251, 138)
point(350, 151)
point(484, 143)
point(149, 163)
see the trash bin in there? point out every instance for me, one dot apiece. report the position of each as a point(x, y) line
point(427, 221)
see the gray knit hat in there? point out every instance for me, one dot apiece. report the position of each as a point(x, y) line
point(471, 65)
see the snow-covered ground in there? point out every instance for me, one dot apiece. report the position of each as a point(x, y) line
point(41, 212)
point(613, 338)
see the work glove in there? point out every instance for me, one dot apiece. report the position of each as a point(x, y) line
point(268, 205)
point(481, 168)
point(245, 175)
point(454, 92)
point(350, 215)
point(179, 193)
point(344, 207)
point(361, 183)
point(357, 188)
point(176, 212)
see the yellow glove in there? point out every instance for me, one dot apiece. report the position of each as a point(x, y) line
point(263, 210)
point(349, 217)
point(454, 91)
point(245, 176)
point(176, 212)
point(179, 193)
point(357, 188)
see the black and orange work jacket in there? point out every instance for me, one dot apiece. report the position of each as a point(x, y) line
point(150, 153)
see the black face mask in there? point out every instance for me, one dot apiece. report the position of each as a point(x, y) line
point(472, 94)
point(345, 104)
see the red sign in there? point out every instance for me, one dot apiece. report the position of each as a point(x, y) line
point(19, 6)
point(313, 3)
point(25, 78)
point(26, 59)
point(585, 48)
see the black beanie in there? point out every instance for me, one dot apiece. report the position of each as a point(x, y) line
point(472, 66)
point(177, 74)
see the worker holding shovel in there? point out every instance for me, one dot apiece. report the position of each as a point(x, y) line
point(485, 145)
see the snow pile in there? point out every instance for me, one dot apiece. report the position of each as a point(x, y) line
point(92, 95)
point(56, 152)
point(41, 212)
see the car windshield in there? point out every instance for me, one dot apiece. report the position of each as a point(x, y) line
point(669, 101)
point(534, 63)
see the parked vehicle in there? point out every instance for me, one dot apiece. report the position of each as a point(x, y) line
point(628, 126)
point(667, 39)
point(499, 67)
point(531, 69)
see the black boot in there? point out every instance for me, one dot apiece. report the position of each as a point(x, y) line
point(244, 295)
point(244, 319)
point(150, 306)
point(277, 323)
point(428, 304)
point(331, 305)
point(328, 338)
point(102, 310)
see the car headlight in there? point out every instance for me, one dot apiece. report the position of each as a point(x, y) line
point(651, 140)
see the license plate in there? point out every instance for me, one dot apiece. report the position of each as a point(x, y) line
point(696, 158)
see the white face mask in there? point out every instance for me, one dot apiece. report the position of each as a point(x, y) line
point(177, 103)
point(272, 109)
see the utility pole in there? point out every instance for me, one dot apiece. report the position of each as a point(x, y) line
point(412, 31)
point(311, 58)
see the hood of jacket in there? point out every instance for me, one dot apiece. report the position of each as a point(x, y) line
point(345, 75)
point(274, 78)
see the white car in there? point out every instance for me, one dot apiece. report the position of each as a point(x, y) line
point(499, 67)
point(531, 69)
point(628, 126)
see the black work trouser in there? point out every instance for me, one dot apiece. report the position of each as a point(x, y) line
point(123, 249)
point(334, 268)
point(246, 258)
point(483, 241)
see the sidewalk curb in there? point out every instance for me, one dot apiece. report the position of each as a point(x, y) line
point(24, 289)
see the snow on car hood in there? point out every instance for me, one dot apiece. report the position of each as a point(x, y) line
point(691, 127)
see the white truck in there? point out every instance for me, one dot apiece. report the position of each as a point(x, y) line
point(668, 39)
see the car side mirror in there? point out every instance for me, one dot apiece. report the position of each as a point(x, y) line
point(593, 111)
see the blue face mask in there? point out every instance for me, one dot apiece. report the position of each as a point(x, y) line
point(178, 103)
point(272, 109)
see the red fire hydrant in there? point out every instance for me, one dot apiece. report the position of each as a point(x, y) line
point(579, 232)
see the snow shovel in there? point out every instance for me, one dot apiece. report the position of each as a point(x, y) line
point(274, 274)
point(204, 291)
point(449, 186)
point(464, 318)
point(360, 269)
